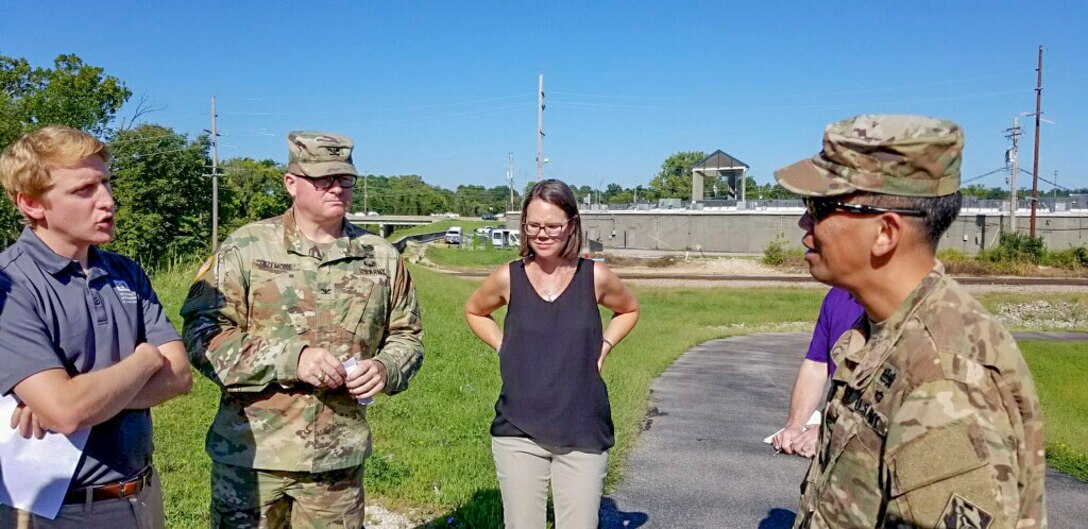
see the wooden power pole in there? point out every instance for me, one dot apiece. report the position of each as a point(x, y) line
point(540, 131)
point(215, 181)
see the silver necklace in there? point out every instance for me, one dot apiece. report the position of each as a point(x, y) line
point(551, 294)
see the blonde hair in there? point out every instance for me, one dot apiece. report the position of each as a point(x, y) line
point(26, 164)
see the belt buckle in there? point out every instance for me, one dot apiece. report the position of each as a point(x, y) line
point(121, 492)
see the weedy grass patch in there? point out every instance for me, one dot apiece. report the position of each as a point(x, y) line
point(1058, 369)
point(431, 444)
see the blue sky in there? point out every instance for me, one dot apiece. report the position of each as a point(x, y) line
point(446, 89)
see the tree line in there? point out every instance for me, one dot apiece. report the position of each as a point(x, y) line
point(163, 191)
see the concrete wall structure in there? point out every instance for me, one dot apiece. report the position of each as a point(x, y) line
point(739, 231)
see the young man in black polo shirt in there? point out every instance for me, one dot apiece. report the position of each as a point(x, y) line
point(84, 340)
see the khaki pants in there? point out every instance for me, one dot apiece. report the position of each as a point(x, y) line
point(246, 498)
point(142, 511)
point(524, 469)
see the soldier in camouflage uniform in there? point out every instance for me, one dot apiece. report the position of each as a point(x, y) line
point(932, 419)
point(271, 319)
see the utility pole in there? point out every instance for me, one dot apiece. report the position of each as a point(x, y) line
point(540, 131)
point(510, 178)
point(1038, 117)
point(366, 197)
point(1055, 191)
point(1010, 159)
point(215, 181)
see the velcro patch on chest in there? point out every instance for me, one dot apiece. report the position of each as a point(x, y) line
point(269, 266)
point(962, 514)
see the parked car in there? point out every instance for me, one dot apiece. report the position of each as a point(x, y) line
point(453, 235)
point(487, 216)
point(484, 231)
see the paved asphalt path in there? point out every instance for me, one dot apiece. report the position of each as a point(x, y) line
point(701, 461)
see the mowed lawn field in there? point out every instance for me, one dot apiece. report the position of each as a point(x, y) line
point(431, 443)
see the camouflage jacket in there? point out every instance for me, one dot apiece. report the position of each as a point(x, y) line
point(931, 421)
point(263, 297)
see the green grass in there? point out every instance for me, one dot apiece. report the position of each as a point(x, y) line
point(180, 424)
point(1058, 369)
point(431, 443)
point(441, 226)
point(478, 256)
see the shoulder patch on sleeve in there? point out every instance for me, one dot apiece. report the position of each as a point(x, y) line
point(205, 268)
point(962, 514)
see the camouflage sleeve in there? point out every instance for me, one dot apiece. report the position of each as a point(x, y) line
point(217, 336)
point(950, 463)
point(402, 349)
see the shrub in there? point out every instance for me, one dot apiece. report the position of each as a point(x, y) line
point(778, 252)
point(1016, 248)
point(1070, 258)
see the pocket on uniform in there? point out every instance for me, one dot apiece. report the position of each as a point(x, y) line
point(938, 455)
point(930, 471)
point(358, 298)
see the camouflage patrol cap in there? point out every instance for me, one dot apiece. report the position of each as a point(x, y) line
point(901, 155)
point(319, 154)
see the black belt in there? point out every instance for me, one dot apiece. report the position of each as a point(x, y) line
point(111, 491)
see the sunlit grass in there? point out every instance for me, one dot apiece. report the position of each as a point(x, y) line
point(431, 443)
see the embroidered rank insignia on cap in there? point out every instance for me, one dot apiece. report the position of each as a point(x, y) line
point(962, 514)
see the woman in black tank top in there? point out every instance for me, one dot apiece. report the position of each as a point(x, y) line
point(552, 418)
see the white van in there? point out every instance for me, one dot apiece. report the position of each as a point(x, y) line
point(505, 238)
point(499, 237)
point(453, 235)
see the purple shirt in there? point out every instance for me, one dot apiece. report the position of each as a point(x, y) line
point(838, 314)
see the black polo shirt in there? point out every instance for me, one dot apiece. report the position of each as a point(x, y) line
point(55, 316)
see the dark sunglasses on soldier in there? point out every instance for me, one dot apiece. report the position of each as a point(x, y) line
point(346, 181)
point(820, 207)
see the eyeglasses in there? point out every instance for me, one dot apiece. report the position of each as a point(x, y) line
point(532, 229)
point(346, 181)
point(819, 208)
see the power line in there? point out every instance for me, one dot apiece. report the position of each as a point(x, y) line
point(379, 110)
point(632, 107)
point(981, 176)
point(817, 94)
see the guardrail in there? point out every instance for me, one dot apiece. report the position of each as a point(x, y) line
point(401, 243)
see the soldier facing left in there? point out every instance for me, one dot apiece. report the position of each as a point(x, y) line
point(277, 318)
point(84, 341)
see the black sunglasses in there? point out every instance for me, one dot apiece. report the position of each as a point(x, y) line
point(818, 208)
point(346, 181)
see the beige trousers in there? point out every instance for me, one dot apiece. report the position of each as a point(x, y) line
point(142, 511)
point(524, 469)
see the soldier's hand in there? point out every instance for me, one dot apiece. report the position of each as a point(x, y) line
point(26, 422)
point(368, 379)
point(319, 368)
point(783, 441)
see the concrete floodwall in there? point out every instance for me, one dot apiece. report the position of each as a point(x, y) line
point(750, 231)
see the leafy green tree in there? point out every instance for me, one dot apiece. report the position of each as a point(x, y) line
point(71, 93)
point(401, 195)
point(163, 198)
point(250, 190)
point(674, 179)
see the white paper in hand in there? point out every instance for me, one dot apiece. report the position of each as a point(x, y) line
point(813, 420)
point(351, 365)
point(36, 472)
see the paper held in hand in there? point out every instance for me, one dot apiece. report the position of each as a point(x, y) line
point(351, 365)
point(36, 472)
point(813, 422)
